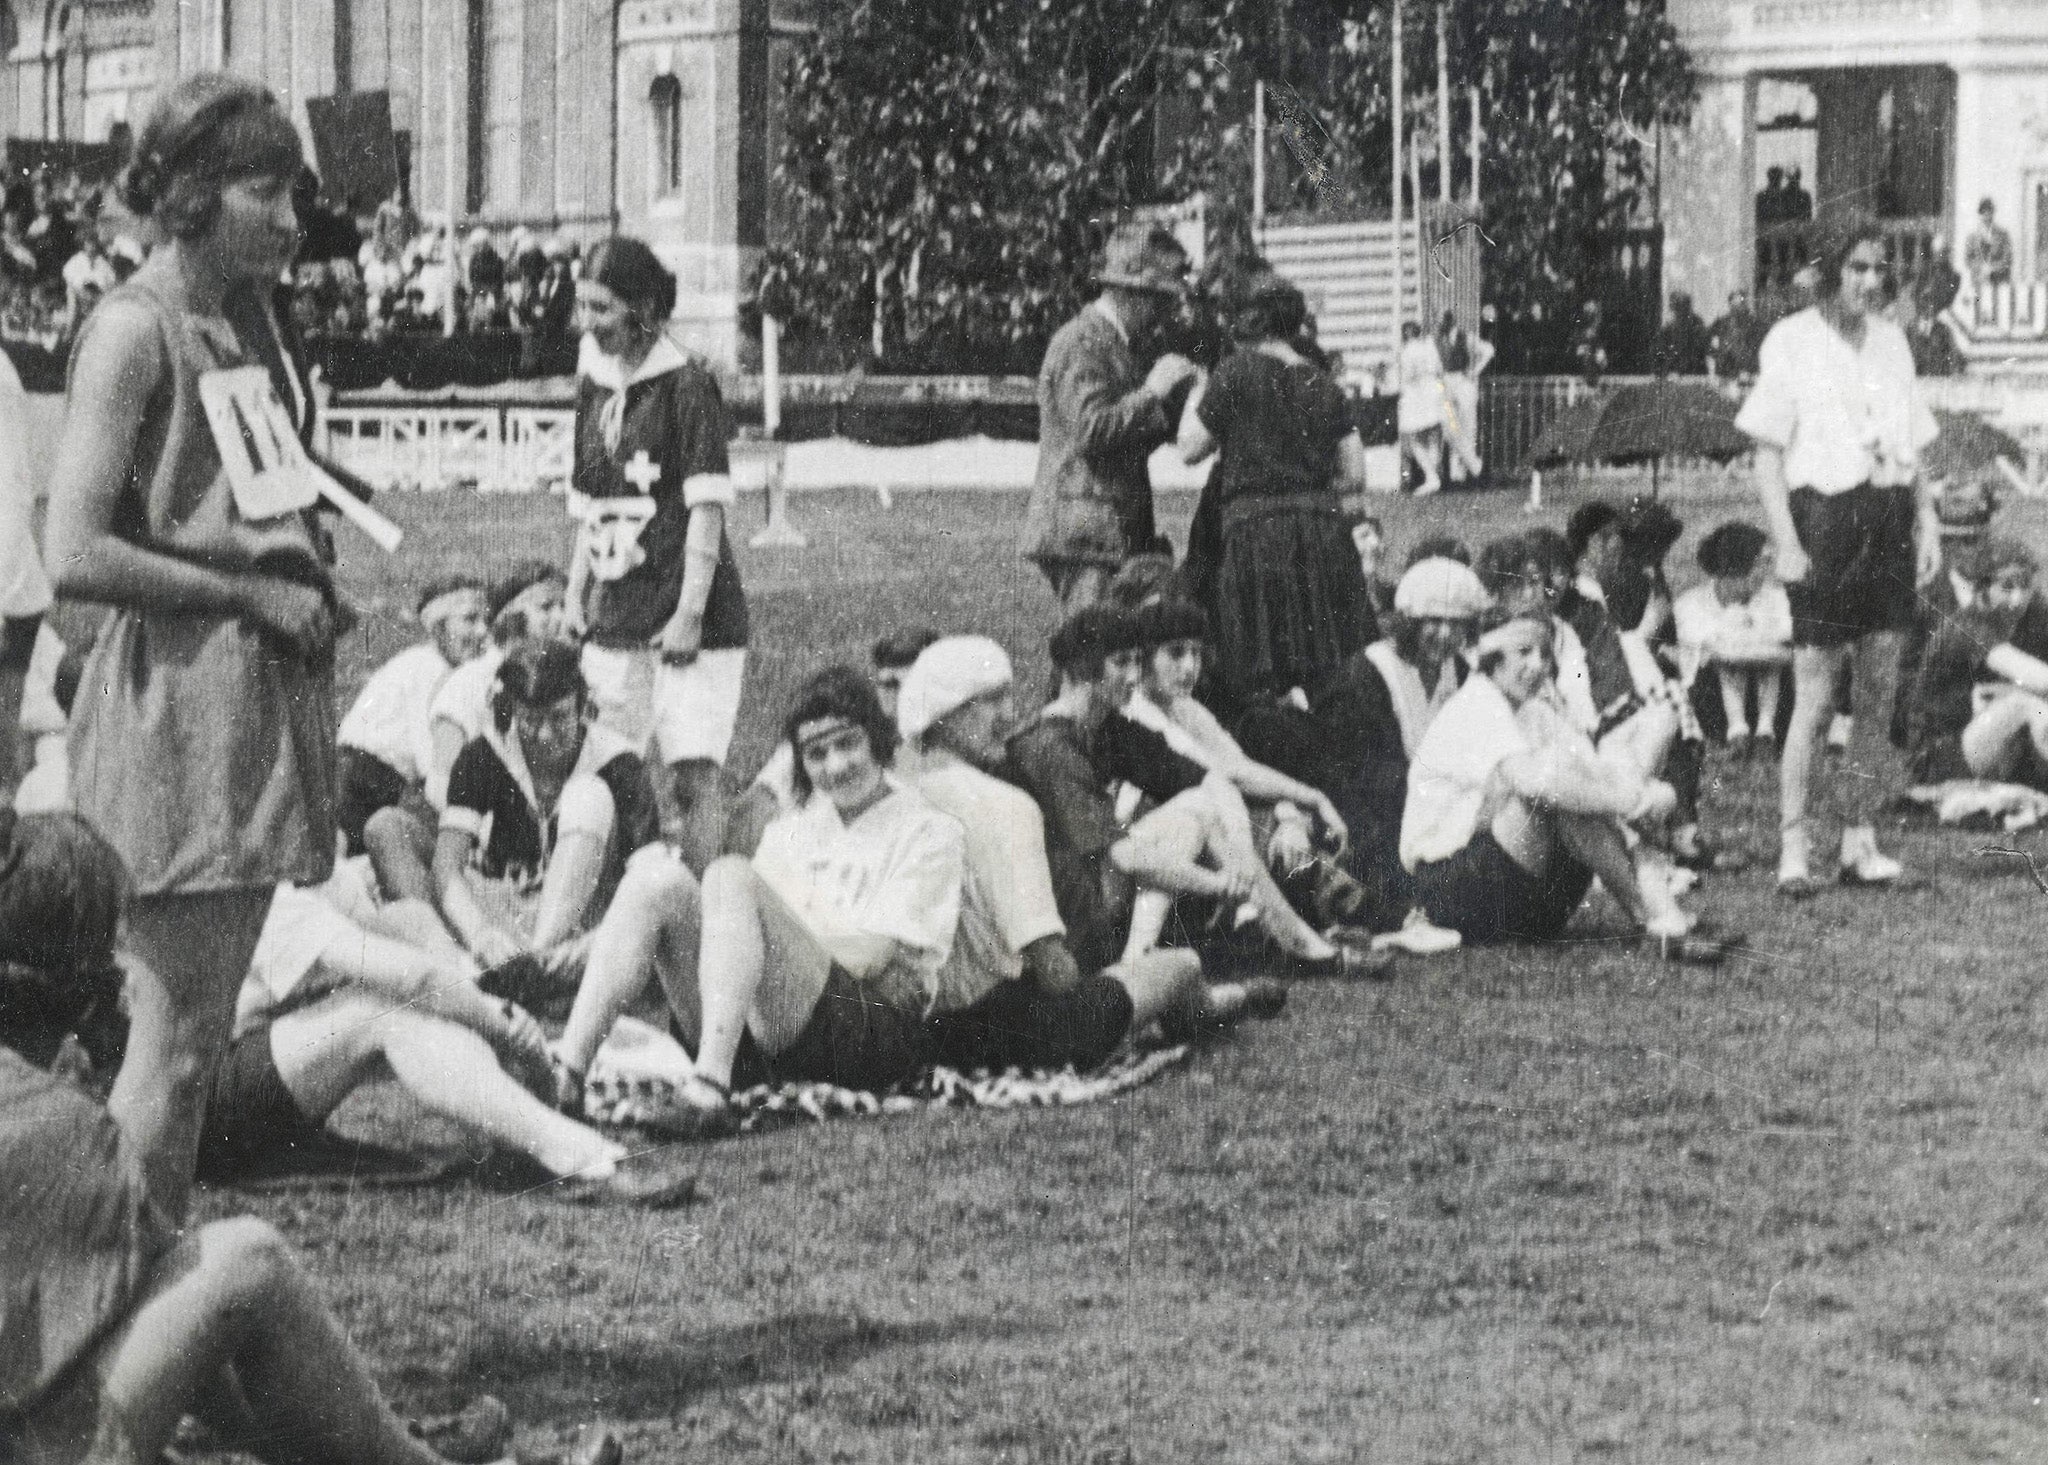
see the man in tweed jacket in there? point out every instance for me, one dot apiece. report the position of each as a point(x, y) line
point(1100, 418)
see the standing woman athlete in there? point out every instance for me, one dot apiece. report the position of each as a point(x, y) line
point(1839, 426)
point(653, 585)
point(204, 749)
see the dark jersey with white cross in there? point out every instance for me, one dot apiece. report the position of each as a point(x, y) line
point(674, 429)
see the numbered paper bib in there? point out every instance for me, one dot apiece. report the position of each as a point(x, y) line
point(267, 467)
point(611, 534)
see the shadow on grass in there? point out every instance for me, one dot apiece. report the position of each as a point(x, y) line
point(638, 1377)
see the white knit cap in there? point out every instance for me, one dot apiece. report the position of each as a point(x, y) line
point(1440, 589)
point(950, 673)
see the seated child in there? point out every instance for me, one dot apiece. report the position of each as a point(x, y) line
point(1198, 841)
point(1982, 704)
point(1011, 993)
point(543, 811)
point(1511, 814)
point(1738, 625)
point(818, 959)
point(385, 740)
point(118, 1324)
point(338, 997)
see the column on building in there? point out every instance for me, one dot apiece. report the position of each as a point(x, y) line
point(1708, 213)
point(692, 171)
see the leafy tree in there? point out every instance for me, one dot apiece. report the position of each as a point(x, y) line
point(954, 164)
point(1572, 92)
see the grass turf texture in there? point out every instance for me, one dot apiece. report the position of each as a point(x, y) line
point(1529, 1204)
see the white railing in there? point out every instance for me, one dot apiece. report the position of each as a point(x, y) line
point(488, 448)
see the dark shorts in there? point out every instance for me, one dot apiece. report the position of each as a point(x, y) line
point(251, 1117)
point(1863, 574)
point(368, 784)
point(1021, 1025)
point(851, 1041)
point(18, 641)
point(1483, 895)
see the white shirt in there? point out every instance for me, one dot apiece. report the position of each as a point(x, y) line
point(1843, 415)
point(301, 928)
point(393, 714)
point(464, 700)
point(1574, 676)
point(896, 871)
point(1007, 901)
point(1450, 777)
point(24, 589)
point(1756, 632)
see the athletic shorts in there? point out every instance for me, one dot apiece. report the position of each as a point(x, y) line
point(678, 712)
point(1863, 576)
point(251, 1117)
point(852, 1041)
point(1483, 895)
point(1021, 1025)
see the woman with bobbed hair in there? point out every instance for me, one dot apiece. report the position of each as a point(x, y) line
point(118, 1322)
point(206, 754)
point(653, 585)
point(1839, 426)
point(1281, 581)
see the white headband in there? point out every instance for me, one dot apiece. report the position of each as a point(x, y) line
point(444, 605)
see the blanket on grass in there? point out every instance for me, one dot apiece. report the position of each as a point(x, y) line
point(1975, 803)
point(633, 1081)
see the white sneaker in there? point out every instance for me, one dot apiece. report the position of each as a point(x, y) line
point(1795, 865)
point(1840, 728)
point(1418, 937)
point(1864, 864)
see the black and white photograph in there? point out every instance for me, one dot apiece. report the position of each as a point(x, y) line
point(1045, 732)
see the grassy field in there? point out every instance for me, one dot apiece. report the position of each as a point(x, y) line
point(1525, 1205)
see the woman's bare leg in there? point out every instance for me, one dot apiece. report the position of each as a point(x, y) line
point(1874, 771)
point(757, 967)
point(1814, 673)
point(658, 908)
point(401, 850)
point(327, 1051)
point(1232, 845)
point(232, 1295)
point(1734, 708)
point(697, 790)
point(190, 953)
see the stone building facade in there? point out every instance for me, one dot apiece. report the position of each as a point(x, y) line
point(651, 117)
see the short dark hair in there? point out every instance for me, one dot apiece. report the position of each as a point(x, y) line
point(630, 269)
point(207, 131)
point(61, 891)
point(1144, 576)
point(1834, 242)
point(1732, 549)
point(1503, 562)
point(1550, 549)
point(1174, 618)
point(843, 694)
point(535, 674)
point(1266, 307)
point(1089, 635)
point(1587, 522)
point(515, 582)
point(1439, 547)
point(899, 650)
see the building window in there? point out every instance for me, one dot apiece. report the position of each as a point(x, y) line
point(665, 98)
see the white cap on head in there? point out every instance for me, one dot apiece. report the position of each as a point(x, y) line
point(1440, 589)
point(947, 675)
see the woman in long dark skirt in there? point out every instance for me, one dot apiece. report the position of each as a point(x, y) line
point(1271, 559)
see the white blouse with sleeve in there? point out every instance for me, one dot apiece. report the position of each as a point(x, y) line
point(1842, 415)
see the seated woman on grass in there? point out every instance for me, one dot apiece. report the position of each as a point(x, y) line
point(816, 959)
point(543, 811)
point(1511, 814)
point(1982, 704)
point(523, 604)
point(343, 991)
point(1011, 993)
point(118, 1324)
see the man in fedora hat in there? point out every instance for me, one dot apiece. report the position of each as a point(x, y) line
point(1100, 416)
